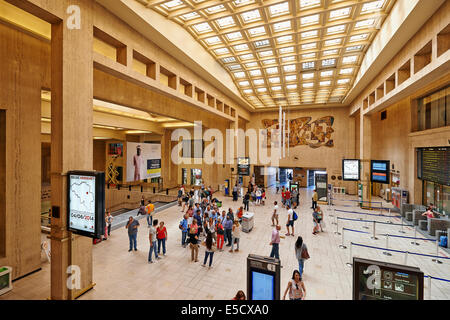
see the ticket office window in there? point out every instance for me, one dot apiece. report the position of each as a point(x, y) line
point(437, 194)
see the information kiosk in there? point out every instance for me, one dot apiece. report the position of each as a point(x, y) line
point(263, 278)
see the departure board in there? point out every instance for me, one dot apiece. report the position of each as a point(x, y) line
point(436, 165)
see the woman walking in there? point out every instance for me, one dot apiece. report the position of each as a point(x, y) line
point(295, 287)
point(209, 241)
point(236, 235)
point(301, 253)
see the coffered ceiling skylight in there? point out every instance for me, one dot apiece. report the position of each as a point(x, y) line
point(287, 52)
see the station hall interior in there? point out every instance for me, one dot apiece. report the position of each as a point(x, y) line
point(88, 85)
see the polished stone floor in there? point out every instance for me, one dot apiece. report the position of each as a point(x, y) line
point(120, 274)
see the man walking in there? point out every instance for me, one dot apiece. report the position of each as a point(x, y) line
point(275, 243)
point(132, 227)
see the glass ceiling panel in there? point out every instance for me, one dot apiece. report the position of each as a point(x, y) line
point(277, 45)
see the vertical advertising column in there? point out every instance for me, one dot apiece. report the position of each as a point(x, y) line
point(72, 141)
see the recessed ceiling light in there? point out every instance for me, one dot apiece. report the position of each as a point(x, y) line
point(309, 46)
point(327, 73)
point(244, 83)
point(286, 50)
point(266, 53)
point(276, 88)
point(229, 59)
point(251, 64)
point(246, 56)
point(307, 76)
point(287, 59)
point(308, 65)
point(364, 23)
point(291, 86)
point(221, 51)
point(258, 82)
point(284, 39)
point(274, 80)
point(261, 43)
point(309, 34)
point(336, 29)
point(308, 85)
point(190, 16)
point(328, 62)
point(239, 74)
point(172, 4)
point(309, 55)
point(346, 71)
point(354, 48)
point(333, 42)
point(291, 77)
point(269, 61)
point(325, 83)
point(272, 70)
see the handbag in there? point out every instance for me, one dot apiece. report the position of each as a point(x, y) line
point(305, 254)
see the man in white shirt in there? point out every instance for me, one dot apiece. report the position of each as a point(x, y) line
point(275, 214)
point(290, 221)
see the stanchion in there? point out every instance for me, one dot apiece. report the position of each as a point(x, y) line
point(335, 219)
point(350, 263)
point(387, 253)
point(389, 219)
point(373, 237)
point(401, 226)
point(365, 218)
point(337, 228)
point(415, 236)
point(429, 287)
point(342, 246)
point(437, 248)
point(406, 258)
point(331, 209)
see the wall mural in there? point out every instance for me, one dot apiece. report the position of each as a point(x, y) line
point(303, 132)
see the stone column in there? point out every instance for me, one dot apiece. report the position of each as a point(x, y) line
point(72, 142)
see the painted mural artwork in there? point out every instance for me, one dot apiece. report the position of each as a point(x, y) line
point(303, 132)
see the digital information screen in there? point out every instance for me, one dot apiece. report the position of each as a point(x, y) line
point(82, 203)
point(86, 203)
point(263, 286)
point(379, 171)
point(263, 278)
point(322, 186)
point(433, 164)
point(243, 166)
point(376, 280)
point(350, 170)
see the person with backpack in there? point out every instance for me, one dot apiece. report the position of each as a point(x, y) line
point(301, 253)
point(209, 252)
point(290, 221)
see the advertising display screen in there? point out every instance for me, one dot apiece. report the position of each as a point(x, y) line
point(322, 186)
point(263, 286)
point(143, 161)
point(376, 280)
point(243, 166)
point(86, 203)
point(379, 171)
point(350, 170)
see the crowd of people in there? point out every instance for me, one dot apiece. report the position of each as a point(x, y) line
point(206, 224)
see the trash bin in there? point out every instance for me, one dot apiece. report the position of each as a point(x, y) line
point(247, 222)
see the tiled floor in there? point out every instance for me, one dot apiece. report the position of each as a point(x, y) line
point(120, 274)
